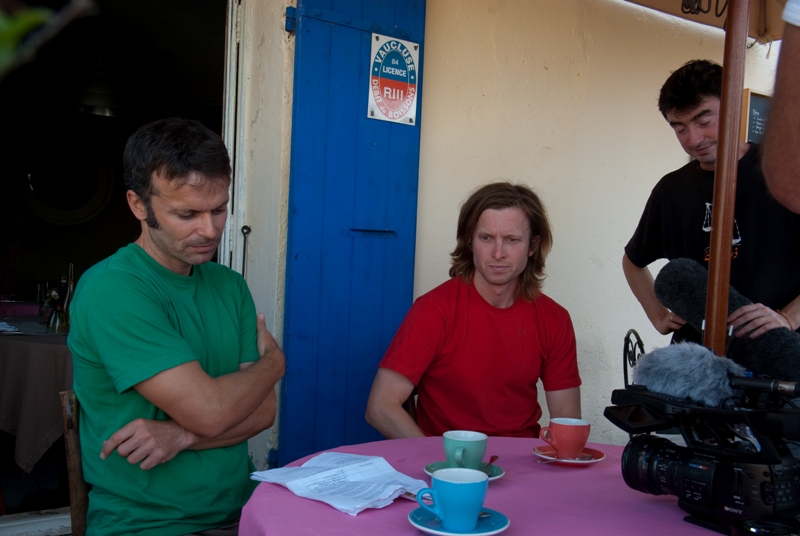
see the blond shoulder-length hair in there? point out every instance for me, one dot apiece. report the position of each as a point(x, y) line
point(499, 195)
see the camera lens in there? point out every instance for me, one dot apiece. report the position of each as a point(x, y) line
point(655, 465)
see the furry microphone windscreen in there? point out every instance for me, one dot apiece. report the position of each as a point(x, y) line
point(681, 288)
point(687, 370)
point(682, 284)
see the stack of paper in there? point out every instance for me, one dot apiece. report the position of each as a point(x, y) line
point(349, 482)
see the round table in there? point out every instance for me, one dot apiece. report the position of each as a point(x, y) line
point(33, 370)
point(537, 498)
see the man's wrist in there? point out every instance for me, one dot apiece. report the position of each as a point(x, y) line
point(186, 438)
point(786, 317)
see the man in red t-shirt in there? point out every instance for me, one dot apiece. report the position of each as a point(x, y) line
point(476, 345)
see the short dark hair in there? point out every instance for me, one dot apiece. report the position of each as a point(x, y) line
point(499, 195)
point(173, 148)
point(688, 86)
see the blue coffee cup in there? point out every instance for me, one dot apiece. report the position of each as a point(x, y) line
point(457, 496)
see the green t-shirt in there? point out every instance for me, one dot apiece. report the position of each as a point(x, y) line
point(131, 318)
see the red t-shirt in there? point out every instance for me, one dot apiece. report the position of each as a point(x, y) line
point(476, 366)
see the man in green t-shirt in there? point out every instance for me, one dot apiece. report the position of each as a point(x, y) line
point(172, 368)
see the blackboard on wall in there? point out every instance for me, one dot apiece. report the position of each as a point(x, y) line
point(755, 113)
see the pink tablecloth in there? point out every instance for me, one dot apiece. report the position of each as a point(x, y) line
point(537, 498)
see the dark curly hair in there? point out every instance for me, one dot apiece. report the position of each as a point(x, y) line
point(173, 148)
point(689, 85)
point(499, 195)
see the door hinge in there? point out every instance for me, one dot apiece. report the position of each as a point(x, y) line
point(239, 23)
point(291, 19)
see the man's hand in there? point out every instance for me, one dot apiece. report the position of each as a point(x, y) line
point(267, 347)
point(641, 282)
point(756, 319)
point(668, 323)
point(148, 442)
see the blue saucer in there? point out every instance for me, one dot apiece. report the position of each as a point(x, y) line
point(427, 522)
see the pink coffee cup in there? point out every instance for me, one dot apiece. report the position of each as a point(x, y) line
point(567, 436)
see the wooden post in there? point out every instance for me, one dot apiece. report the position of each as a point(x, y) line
point(78, 488)
point(719, 270)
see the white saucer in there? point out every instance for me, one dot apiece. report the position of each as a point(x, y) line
point(548, 453)
point(495, 471)
point(426, 521)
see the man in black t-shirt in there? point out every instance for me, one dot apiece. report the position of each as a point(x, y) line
point(765, 247)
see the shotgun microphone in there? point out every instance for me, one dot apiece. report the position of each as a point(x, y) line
point(765, 384)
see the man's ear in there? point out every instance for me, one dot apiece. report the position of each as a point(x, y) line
point(137, 205)
point(535, 241)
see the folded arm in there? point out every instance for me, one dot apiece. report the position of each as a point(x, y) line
point(209, 406)
point(385, 405)
point(149, 443)
point(640, 280)
point(206, 412)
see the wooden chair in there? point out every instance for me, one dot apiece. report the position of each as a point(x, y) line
point(78, 488)
point(410, 405)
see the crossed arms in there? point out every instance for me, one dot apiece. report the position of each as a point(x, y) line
point(206, 412)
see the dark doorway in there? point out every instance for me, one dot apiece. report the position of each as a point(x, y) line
point(66, 116)
point(64, 120)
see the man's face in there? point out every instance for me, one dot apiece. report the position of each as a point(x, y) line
point(190, 218)
point(501, 246)
point(697, 131)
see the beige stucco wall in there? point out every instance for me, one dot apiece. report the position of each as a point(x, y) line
point(561, 96)
point(266, 59)
point(557, 94)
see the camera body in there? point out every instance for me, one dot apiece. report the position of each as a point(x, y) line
point(736, 469)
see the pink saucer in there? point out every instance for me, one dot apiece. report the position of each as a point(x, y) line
point(548, 454)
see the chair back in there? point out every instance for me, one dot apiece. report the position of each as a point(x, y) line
point(410, 405)
point(78, 488)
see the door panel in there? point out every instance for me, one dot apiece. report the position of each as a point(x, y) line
point(352, 223)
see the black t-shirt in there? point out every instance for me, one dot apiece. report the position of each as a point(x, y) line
point(765, 247)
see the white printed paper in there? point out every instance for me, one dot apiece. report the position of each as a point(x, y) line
point(350, 483)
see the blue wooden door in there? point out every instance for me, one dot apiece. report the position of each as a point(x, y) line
point(352, 222)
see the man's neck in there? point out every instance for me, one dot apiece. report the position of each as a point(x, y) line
point(500, 296)
point(171, 264)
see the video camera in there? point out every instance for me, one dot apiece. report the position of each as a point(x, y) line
point(736, 474)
